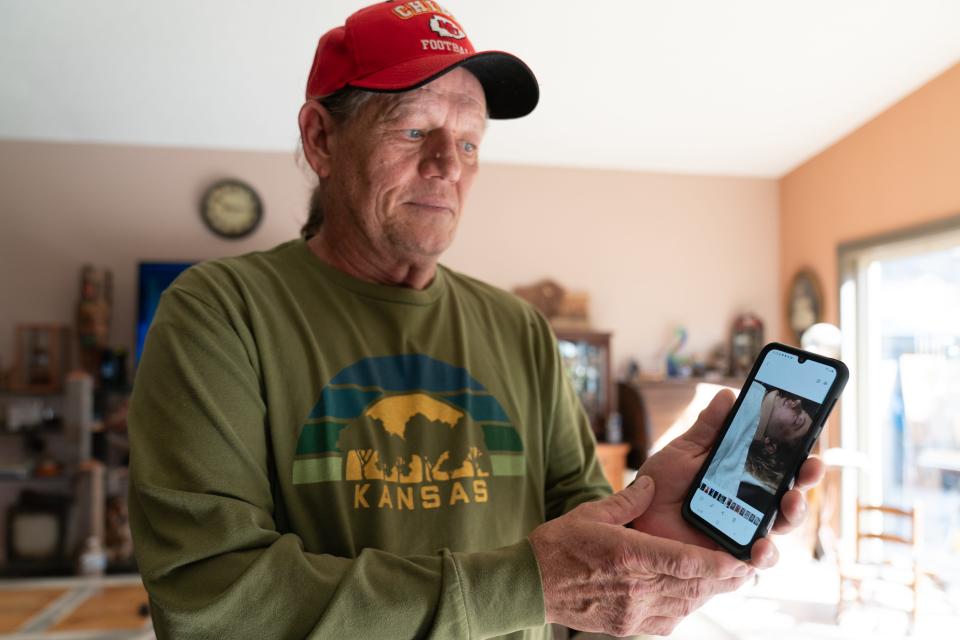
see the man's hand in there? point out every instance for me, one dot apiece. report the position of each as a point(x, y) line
point(601, 576)
point(674, 467)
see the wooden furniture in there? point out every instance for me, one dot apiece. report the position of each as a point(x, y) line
point(636, 424)
point(885, 557)
point(586, 357)
point(613, 459)
point(42, 352)
point(71, 502)
point(656, 411)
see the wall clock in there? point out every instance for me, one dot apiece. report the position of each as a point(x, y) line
point(231, 209)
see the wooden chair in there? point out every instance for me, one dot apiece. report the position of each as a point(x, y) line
point(636, 429)
point(878, 567)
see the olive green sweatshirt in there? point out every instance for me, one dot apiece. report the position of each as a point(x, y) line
point(317, 456)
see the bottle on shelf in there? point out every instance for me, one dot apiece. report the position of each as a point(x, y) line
point(92, 562)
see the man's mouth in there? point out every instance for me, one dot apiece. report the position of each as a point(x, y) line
point(431, 203)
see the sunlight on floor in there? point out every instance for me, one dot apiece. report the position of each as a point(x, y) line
point(798, 600)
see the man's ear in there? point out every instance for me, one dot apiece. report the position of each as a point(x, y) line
point(316, 129)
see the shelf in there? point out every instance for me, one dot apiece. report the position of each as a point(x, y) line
point(30, 393)
point(5, 479)
point(25, 569)
point(52, 430)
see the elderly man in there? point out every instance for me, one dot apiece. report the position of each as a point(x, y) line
point(341, 438)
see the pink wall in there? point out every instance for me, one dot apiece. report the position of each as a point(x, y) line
point(64, 205)
point(898, 170)
point(652, 250)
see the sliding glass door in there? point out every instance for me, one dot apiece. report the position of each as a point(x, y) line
point(900, 317)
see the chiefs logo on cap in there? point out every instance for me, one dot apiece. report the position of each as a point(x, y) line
point(446, 28)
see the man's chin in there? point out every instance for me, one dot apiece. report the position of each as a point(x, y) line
point(429, 252)
point(424, 246)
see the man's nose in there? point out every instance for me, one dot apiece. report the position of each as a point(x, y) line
point(442, 157)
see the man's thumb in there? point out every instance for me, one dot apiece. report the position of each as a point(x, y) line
point(627, 504)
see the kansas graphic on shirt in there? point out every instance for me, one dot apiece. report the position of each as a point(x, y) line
point(408, 432)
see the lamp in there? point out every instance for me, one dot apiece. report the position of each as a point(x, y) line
point(823, 339)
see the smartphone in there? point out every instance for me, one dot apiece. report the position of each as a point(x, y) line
point(764, 440)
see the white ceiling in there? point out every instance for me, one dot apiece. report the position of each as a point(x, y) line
point(738, 87)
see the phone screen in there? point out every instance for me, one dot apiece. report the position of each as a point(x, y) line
point(780, 411)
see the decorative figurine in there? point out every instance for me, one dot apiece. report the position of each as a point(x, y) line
point(545, 295)
point(119, 543)
point(560, 307)
point(677, 365)
point(93, 316)
point(746, 341)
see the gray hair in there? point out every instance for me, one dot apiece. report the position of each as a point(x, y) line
point(343, 106)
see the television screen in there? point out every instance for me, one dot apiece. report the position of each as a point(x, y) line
point(154, 277)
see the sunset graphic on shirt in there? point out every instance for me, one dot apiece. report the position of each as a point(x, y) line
point(407, 420)
point(395, 411)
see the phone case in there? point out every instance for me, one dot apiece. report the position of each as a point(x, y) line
point(743, 551)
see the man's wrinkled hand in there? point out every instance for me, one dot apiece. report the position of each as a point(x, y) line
point(601, 576)
point(674, 467)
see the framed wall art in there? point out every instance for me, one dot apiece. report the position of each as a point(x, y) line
point(41, 358)
point(804, 302)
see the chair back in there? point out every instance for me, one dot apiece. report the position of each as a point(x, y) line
point(877, 525)
point(636, 423)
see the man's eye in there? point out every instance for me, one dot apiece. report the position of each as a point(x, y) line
point(469, 147)
point(415, 134)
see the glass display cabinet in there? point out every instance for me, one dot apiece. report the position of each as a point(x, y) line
point(586, 357)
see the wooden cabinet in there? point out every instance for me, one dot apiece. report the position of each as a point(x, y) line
point(656, 411)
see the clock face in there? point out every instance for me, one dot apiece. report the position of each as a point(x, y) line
point(231, 209)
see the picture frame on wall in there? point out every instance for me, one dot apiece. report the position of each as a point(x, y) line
point(804, 302)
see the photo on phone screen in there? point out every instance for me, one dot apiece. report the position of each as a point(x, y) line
point(780, 411)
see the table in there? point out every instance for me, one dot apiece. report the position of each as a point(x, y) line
point(613, 459)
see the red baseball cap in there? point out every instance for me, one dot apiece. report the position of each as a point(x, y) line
point(398, 46)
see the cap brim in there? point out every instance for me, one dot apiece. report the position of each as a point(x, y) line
point(509, 85)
